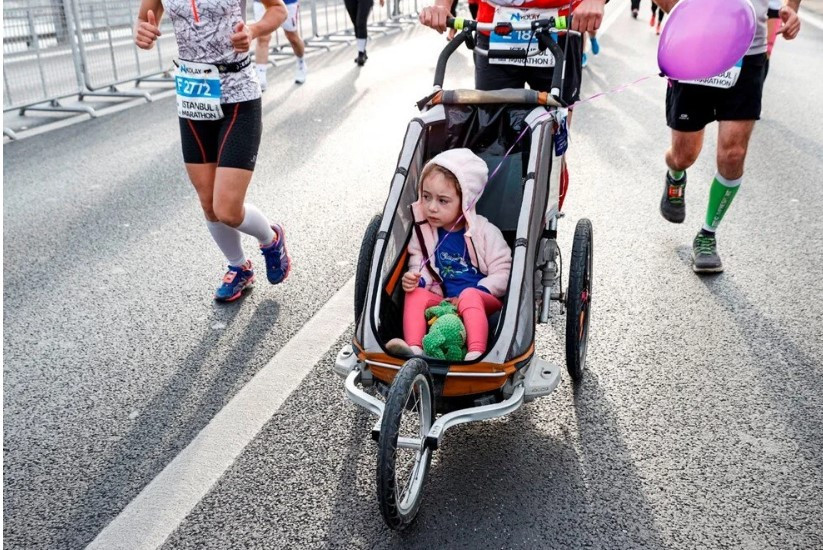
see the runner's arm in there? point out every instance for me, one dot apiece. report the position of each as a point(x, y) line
point(665, 5)
point(274, 16)
point(154, 5)
point(791, 23)
point(147, 28)
point(588, 15)
point(435, 16)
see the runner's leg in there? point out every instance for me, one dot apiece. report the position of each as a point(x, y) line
point(732, 147)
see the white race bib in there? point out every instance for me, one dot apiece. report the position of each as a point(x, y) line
point(520, 39)
point(724, 80)
point(198, 91)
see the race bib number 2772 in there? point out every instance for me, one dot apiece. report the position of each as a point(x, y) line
point(198, 91)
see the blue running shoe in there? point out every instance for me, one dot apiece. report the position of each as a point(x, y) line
point(278, 263)
point(595, 45)
point(585, 60)
point(235, 281)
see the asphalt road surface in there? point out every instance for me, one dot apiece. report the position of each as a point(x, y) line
point(699, 423)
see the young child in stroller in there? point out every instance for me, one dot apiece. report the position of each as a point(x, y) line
point(454, 253)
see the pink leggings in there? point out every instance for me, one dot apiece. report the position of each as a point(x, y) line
point(474, 307)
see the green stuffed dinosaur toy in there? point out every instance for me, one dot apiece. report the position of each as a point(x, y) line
point(447, 336)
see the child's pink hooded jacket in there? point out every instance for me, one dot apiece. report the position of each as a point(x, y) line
point(488, 250)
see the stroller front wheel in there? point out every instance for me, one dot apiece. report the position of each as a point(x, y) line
point(402, 457)
point(578, 300)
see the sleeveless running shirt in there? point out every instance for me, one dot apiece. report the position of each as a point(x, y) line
point(203, 29)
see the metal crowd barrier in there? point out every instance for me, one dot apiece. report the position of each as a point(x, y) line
point(56, 49)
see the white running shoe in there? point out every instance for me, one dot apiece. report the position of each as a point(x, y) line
point(300, 76)
point(261, 76)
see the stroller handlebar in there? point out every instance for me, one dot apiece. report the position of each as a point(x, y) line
point(542, 29)
point(560, 24)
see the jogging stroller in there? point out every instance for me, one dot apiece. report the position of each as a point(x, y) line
point(520, 134)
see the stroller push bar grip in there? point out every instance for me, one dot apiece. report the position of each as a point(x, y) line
point(559, 24)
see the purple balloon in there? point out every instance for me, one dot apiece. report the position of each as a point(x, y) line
point(704, 38)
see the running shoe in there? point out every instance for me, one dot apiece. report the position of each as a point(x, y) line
point(235, 281)
point(673, 203)
point(300, 76)
point(658, 28)
point(585, 60)
point(705, 258)
point(278, 263)
point(595, 45)
point(634, 14)
point(361, 58)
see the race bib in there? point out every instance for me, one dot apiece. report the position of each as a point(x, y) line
point(520, 39)
point(198, 91)
point(724, 80)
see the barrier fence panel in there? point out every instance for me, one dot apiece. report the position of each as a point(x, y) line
point(105, 31)
point(329, 23)
point(55, 49)
point(39, 62)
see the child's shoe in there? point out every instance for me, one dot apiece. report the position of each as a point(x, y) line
point(235, 281)
point(278, 263)
point(399, 347)
point(473, 356)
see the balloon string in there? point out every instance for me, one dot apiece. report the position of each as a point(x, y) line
point(519, 137)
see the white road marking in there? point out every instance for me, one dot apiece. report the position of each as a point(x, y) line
point(165, 502)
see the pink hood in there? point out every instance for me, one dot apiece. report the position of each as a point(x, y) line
point(488, 250)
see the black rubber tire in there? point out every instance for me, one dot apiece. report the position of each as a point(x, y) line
point(578, 300)
point(389, 430)
point(361, 275)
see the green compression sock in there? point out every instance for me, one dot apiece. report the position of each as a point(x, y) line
point(720, 198)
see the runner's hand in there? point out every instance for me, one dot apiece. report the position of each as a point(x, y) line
point(241, 39)
point(435, 17)
point(588, 16)
point(147, 32)
point(791, 23)
point(410, 281)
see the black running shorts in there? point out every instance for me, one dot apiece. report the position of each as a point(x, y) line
point(231, 142)
point(690, 107)
point(488, 76)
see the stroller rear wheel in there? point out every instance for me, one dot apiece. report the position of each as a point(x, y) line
point(402, 457)
point(578, 300)
point(361, 278)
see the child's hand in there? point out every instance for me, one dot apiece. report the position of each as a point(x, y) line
point(411, 281)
